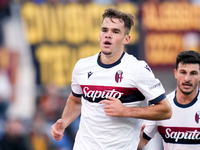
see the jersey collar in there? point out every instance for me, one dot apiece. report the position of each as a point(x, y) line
point(187, 105)
point(110, 65)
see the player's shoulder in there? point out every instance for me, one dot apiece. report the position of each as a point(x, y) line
point(87, 60)
point(171, 96)
point(198, 96)
point(133, 60)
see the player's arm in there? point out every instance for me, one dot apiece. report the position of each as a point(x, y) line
point(150, 87)
point(71, 111)
point(159, 111)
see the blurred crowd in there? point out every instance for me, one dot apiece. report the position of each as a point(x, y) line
point(34, 133)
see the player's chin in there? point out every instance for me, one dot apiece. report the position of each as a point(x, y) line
point(106, 52)
point(187, 91)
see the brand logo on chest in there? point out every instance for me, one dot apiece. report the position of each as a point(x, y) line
point(95, 93)
point(189, 135)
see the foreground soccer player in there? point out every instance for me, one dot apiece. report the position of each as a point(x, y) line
point(111, 91)
point(182, 130)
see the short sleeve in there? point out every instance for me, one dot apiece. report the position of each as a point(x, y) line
point(148, 85)
point(150, 129)
point(75, 86)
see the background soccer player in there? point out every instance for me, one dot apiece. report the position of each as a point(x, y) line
point(182, 130)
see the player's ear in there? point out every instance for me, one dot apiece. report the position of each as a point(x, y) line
point(175, 73)
point(199, 76)
point(99, 37)
point(126, 39)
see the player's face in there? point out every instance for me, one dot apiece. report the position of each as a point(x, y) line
point(112, 36)
point(188, 77)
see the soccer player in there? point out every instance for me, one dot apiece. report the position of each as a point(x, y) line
point(110, 90)
point(182, 130)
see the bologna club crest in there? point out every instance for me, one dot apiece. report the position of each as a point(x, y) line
point(118, 76)
point(197, 117)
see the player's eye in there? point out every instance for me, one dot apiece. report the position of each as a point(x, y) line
point(194, 73)
point(116, 31)
point(104, 30)
point(182, 72)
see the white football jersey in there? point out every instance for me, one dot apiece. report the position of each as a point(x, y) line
point(182, 130)
point(129, 80)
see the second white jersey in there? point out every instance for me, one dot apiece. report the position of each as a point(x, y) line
point(182, 130)
point(129, 80)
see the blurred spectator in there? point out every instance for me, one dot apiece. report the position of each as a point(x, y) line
point(182, 1)
point(121, 1)
point(85, 1)
point(72, 1)
point(5, 81)
point(38, 136)
point(4, 12)
point(104, 2)
point(14, 137)
point(5, 84)
point(196, 2)
point(51, 103)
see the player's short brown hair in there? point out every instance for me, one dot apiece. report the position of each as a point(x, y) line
point(127, 18)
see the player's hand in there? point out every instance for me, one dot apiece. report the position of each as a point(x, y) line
point(113, 107)
point(58, 129)
point(143, 141)
point(141, 131)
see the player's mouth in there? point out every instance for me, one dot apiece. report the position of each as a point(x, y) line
point(107, 43)
point(187, 85)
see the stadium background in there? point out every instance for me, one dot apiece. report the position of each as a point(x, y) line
point(40, 41)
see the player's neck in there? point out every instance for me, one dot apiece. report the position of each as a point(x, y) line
point(110, 59)
point(185, 99)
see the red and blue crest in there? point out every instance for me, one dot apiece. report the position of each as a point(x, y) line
point(118, 76)
point(197, 117)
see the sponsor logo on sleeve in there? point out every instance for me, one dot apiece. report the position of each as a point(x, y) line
point(155, 86)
